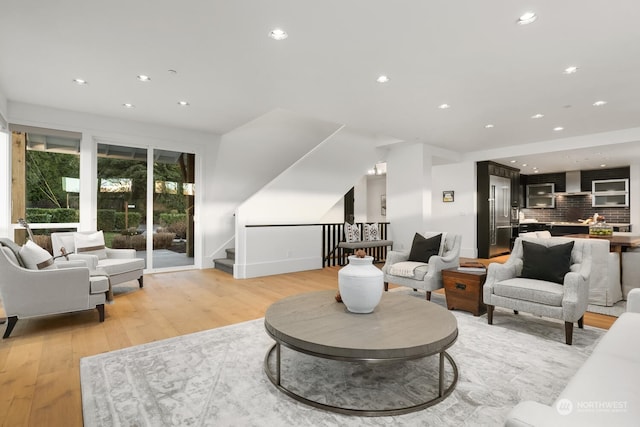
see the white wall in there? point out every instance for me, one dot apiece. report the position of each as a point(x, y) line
point(335, 214)
point(278, 250)
point(304, 192)
point(5, 185)
point(458, 216)
point(376, 187)
point(634, 197)
point(3, 112)
point(248, 158)
point(408, 193)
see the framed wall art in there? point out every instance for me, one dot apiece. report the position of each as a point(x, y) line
point(447, 196)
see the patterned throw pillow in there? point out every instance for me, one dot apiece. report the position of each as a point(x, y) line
point(36, 258)
point(351, 232)
point(371, 232)
point(90, 244)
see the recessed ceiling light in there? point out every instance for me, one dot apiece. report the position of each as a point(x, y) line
point(183, 103)
point(527, 18)
point(537, 116)
point(489, 126)
point(524, 165)
point(512, 161)
point(603, 165)
point(127, 105)
point(444, 106)
point(80, 82)
point(536, 171)
point(144, 78)
point(558, 128)
point(570, 70)
point(278, 34)
point(382, 79)
point(599, 103)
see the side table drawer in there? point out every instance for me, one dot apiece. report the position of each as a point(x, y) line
point(464, 291)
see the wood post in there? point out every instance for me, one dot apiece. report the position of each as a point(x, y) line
point(18, 182)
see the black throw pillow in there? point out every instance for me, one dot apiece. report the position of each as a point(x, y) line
point(546, 263)
point(422, 248)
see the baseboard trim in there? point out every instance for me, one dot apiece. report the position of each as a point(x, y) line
point(290, 265)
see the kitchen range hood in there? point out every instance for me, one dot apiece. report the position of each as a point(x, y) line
point(572, 185)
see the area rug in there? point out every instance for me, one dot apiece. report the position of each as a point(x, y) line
point(216, 378)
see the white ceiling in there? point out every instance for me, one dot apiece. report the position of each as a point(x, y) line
point(467, 53)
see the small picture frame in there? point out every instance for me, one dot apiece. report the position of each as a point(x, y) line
point(383, 205)
point(447, 196)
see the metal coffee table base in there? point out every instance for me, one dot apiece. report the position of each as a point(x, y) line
point(443, 392)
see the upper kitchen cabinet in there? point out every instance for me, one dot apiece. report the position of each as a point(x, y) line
point(541, 195)
point(610, 193)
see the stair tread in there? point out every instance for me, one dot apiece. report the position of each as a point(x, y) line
point(225, 261)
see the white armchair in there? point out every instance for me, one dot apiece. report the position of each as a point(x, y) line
point(425, 276)
point(120, 265)
point(31, 293)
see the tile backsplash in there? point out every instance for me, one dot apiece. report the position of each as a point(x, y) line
point(571, 208)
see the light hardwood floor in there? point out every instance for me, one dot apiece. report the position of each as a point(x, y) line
point(39, 363)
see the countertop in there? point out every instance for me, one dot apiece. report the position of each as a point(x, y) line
point(576, 224)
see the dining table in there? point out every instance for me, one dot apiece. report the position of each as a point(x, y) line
point(618, 241)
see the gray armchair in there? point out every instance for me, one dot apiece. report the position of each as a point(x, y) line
point(565, 301)
point(427, 276)
point(31, 293)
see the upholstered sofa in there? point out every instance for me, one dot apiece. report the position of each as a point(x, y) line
point(605, 391)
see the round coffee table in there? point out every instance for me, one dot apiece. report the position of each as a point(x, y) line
point(401, 328)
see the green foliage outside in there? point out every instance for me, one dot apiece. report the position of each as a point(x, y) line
point(44, 173)
point(139, 242)
point(106, 219)
point(166, 219)
point(48, 202)
point(134, 219)
point(58, 215)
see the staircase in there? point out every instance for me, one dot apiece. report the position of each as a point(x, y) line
point(226, 264)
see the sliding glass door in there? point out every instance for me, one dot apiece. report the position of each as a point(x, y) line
point(122, 197)
point(173, 203)
point(153, 216)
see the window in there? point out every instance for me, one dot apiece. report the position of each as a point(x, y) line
point(46, 191)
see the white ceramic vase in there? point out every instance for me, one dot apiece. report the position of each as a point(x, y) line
point(361, 284)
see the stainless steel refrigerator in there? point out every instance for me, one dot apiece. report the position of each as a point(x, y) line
point(499, 215)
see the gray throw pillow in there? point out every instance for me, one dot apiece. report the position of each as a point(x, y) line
point(422, 248)
point(546, 263)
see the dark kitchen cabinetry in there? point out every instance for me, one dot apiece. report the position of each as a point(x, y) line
point(497, 204)
point(541, 196)
point(528, 227)
point(563, 230)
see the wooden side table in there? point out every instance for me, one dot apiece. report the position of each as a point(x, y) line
point(463, 290)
